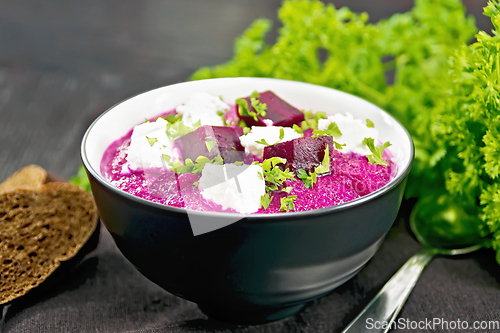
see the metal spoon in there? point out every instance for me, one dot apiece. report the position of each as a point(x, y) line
point(386, 305)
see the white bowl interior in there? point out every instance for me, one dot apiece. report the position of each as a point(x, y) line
point(120, 119)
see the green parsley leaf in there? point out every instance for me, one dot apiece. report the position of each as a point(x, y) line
point(376, 157)
point(177, 129)
point(265, 200)
point(210, 145)
point(243, 109)
point(311, 119)
point(189, 166)
point(332, 130)
point(308, 180)
point(324, 167)
point(147, 121)
point(172, 117)
point(287, 203)
point(152, 141)
point(298, 129)
point(369, 123)
point(282, 134)
point(263, 142)
point(273, 175)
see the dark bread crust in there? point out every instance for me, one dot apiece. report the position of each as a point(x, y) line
point(39, 229)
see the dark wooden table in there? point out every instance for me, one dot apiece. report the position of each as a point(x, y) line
point(63, 63)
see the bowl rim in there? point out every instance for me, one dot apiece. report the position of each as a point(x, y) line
point(259, 216)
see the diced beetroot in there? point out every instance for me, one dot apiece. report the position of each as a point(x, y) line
point(301, 153)
point(278, 111)
point(227, 143)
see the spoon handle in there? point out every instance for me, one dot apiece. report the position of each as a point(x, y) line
point(383, 309)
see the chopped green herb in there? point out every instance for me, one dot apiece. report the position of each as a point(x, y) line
point(263, 142)
point(324, 167)
point(246, 130)
point(376, 157)
point(298, 129)
point(282, 134)
point(369, 123)
point(177, 129)
point(210, 145)
point(338, 145)
point(332, 130)
point(147, 121)
point(265, 200)
point(311, 119)
point(308, 180)
point(152, 141)
point(222, 114)
point(287, 203)
point(243, 109)
point(273, 175)
point(287, 189)
point(192, 167)
point(238, 163)
point(172, 117)
point(196, 184)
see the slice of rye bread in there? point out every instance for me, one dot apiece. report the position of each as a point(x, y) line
point(39, 231)
point(29, 177)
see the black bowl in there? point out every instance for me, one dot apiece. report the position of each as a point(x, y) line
point(265, 266)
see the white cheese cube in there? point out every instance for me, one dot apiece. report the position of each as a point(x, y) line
point(239, 187)
point(144, 153)
point(354, 131)
point(203, 107)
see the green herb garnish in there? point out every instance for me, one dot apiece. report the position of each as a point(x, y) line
point(210, 145)
point(332, 130)
point(273, 175)
point(369, 123)
point(264, 142)
point(298, 129)
point(308, 180)
point(177, 129)
point(324, 167)
point(244, 110)
point(192, 167)
point(152, 141)
point(376, 157)
point(172, 117)
point(265, 200)
point(287, 203)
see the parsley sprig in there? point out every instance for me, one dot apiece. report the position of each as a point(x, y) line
point(308, 179)
point(287, 203)
point(178, 128)
point(192, 167)
point(264, 142)
point(244, 110)
point(376, 157)
point(274, 177)
point(311, 119)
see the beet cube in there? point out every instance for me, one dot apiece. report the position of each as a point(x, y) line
point(302, 153)
point(278, 111)
point(221, 140)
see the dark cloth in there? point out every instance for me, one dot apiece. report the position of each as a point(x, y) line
point(104, 293)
